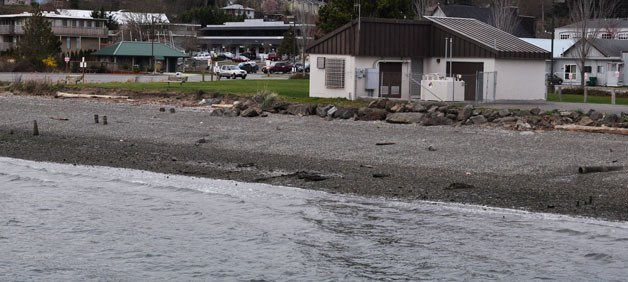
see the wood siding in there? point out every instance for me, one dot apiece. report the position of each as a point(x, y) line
point(409, 39)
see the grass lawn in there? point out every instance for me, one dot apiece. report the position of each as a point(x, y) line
point(290, 90)
point(575, 98)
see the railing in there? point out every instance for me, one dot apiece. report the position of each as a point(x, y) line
point(60, 30)
point(6, 29)
point(80, 31)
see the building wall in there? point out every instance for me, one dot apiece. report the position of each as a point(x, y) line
point(520, 80)
point(355, 85)
point(599, 69)
point(78, 43)
point(317, 78)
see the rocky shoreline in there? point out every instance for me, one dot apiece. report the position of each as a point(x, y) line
point(535, 170)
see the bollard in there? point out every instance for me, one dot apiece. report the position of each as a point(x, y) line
point(613, 96)
point(104, 120)
point(203, 75)
point(35, 129)
point(95, 118)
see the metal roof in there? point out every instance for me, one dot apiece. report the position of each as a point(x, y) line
point(485, 34)
point(608, 47)
point(525, 25)
point(140, 49)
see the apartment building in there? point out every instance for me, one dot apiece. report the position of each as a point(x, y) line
point(75, 33)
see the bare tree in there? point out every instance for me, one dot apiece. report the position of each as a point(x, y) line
point(305, 17)
point(421, 7)
point(504, 15)
point(587, 16)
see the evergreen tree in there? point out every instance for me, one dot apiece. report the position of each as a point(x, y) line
point(337, 13)
point(38, 41)
point(288, 45)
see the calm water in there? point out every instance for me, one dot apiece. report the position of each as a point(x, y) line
point(75, 223)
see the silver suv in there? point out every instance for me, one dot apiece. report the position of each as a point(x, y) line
point(231, 71)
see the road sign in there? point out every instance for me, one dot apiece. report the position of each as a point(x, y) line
point(67, 59)
point(83, 64)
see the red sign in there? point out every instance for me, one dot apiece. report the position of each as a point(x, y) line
point(67, 59)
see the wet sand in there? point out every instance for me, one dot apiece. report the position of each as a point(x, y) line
point(535, 171)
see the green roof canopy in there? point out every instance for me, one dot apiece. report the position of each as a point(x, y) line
point(140, 49)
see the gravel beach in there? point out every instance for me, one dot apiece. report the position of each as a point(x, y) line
point(535, 171)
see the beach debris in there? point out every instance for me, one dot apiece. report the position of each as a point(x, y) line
point(384, 143)
point(35, 129)
point(594, 169)
point(95, 118)
point(201, 141)
point(71, 95)
point(459, 185)
point(380, 175)
point(601, 129)
point(104, 120)
point(173, 159)
point(431, 148)
point(245, 165)
point(162, 109)
point(59, 118)
point(366, 166)
point(309, 176)
point(172, 110)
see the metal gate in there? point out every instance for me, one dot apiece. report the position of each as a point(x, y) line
point(485, 87)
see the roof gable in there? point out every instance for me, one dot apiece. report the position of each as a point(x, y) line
point(140, 49)
point(606, 47)
point(404, 38)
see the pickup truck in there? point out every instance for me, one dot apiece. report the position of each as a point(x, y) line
point(277, 67)
point(231, 71)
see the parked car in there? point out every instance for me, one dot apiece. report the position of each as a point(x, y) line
point(240, 59)
point(554, 80)
point(225, 55)
point(249, 67)
point(273, 57)
point(277, 67)
point(250, 55)
point(231, 71)
point(299, 67)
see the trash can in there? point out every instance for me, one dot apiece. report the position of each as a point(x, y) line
point(592, 81)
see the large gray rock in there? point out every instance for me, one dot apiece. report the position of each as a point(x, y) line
point(596, 115)
point(217, 112)
point(478, 119)
point(504, 113)
point(371, 114)
point(301, 109)
point(465, 113)
point(419, 108)
point(232, 112)
point(535, 111)
point(611, 118)
point(405, 118)
point(322, 111)
point(586, 121)
point(250, 112)
point(345, 113)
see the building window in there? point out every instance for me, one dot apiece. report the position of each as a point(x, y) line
point(78, 43)
point(570, 72)
point(607, 36)
point(68, 43)
point(335, 73)
point(600, 69)
point(588, 69)
point(564, 36)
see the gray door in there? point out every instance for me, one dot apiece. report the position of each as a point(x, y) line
point(468, 71)
point(390, 80)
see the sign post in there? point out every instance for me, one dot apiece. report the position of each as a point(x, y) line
point(67, 60)
point(83, 66)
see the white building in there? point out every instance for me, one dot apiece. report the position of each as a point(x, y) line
point(239, 10)
point(600, 28)
point(407, 59)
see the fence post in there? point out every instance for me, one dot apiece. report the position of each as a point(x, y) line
point(613, 96)
point(560, 93)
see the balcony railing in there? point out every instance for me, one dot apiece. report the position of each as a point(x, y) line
point(6, 29)
point(60, 31)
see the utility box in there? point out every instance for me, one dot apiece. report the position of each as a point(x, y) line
point(439, 88)
point(372, 79)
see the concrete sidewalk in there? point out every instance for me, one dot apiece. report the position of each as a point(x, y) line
point(548, 106)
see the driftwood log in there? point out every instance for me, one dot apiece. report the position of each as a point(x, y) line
point(596, 129)
point(593, 169)
point(71, 95)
